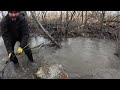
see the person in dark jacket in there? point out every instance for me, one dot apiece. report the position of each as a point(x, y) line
point(14, 27)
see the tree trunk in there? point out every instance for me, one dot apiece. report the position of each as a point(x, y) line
point(25, 13)
point(61, 24)
point(102, 19)
point(67, 18)
point(82, 17)
point(72, 16)
point(44, 13)
point(118, 13)
point(85, 24)
point(2, 14)
point(61, 18)
point(78, 16)
point(40, 26)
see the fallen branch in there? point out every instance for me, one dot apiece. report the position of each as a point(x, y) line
point(40, 26)
point(39, 46)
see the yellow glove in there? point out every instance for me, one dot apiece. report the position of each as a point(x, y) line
point(9, 56)
point(19, 51)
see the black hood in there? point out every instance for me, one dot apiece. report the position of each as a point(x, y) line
point(17, 11)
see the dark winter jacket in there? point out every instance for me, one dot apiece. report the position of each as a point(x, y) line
point(14, 31)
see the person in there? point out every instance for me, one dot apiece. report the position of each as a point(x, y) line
point(14, 27)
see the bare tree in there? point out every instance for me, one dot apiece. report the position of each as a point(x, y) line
point(102, 19)
point(44, 14)
point(2, 14)
point(67, 18)
point(78, 15)
point(85, 23)
point(118, 13)
point(25, 13)
point(82, 16)
point(61, 18)
point(72, 14)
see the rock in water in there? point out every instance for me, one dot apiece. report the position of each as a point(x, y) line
point(52, 72)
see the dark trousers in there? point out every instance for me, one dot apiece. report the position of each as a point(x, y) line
point(27, 51)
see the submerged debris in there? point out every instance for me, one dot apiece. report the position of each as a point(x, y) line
point(52, 72)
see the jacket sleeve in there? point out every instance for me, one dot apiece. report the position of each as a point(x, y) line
point(6, 36)
point(25, 33)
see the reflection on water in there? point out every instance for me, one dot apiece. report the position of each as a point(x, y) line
point(82, 56)
point(35, 41)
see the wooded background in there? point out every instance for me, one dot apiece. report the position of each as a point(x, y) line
point(100, 24)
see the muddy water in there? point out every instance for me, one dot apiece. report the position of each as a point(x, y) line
point(82, 58)
point(87, 58)
point(26, 71)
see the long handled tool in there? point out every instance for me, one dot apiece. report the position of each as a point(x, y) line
point(8, 61)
